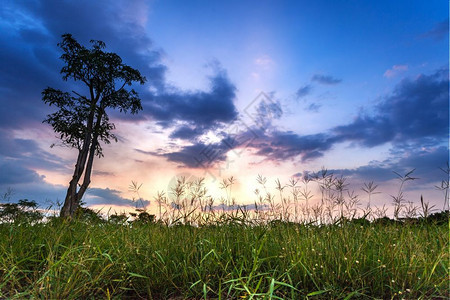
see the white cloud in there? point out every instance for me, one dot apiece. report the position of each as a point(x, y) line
point(395, 70)
point(264, 61)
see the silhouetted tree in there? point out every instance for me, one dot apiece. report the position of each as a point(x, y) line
point(82, 121)
point(25, 211)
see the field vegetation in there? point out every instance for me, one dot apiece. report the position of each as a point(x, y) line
point(282, 246)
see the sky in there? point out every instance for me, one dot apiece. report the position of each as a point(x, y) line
point(235, 88)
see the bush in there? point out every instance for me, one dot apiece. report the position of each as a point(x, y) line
point(25, 211)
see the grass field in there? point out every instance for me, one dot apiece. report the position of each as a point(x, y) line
point(279, 248)
point(229, 260)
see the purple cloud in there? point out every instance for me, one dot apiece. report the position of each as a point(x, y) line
point(326, 79)
point(303, 91)
point(438, 32)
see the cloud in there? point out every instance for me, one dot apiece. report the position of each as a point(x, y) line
point(14, 172)
point(203, 154)
point(99, 196)
point(370, 172)
point(263, 110)
point(416, 109)
point(26, 183)
point(27, 152)
point(438, 32)
point(31, 30)
point(199, 111)
point(280, 146)
point(326, 79)
point(20, 66)
point(415, 114)
point(19, 160)
point(264, 61)
point(425, 162)
point(187, 132)
point(30, 56)
point(101, 173)
point(199, 155)
point(304, 91)
point(395, 70)
point(314, 107)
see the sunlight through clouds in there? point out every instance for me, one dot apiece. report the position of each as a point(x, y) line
point(336, 94)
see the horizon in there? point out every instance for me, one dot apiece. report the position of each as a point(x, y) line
point(236, 89)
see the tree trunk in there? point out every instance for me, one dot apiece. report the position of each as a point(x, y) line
point(88, 171)
point(84, 164)
point(73, 198)
point(71, 201)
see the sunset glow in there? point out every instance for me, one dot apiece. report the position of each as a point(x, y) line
point(235, 88)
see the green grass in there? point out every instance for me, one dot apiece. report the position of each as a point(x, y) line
point(58, 260)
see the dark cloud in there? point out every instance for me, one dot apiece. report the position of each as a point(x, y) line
point(102, 173)
point(417, 109)
point(29, 185)
point(199, 155)
point(425, 163)
point(273, 145)
point(20, 67)
point(146, 152)
point(438, 32)
point(298, 175)
point(99, 196)
point(198, 111)
point(264, 111)
point(19, 160)
point(304, 91)
point(202, 154)
point(279, 146)
point(13, 172)
point(30, 57)
point(415, 114)
point(187, 132)
point(370, 172)
point(28, 153)
point(368, 130)
point(326, 79)
point(314, 107)
point(271, 110)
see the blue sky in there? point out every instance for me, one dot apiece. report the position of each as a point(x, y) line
point(360, 87)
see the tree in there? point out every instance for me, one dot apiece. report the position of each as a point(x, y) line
point(82, 121)
point(25, 211)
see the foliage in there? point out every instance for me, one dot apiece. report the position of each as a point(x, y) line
point(120, 219)
point(25, 211)
point(86, 214)
point(101, 72)
point(279, 260)
point(335, 249)
point(82, 121)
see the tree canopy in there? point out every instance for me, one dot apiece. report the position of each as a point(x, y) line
point(81, 120)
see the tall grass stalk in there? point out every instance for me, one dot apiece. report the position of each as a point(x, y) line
point(197, 249)
point(223, 261)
